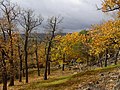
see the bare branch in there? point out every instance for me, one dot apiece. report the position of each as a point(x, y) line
point(29, 21)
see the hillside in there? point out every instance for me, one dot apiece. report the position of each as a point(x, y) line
point(77, 48)
point(98, 79)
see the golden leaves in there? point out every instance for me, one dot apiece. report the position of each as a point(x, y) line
point(111, 5)
point(105, 36)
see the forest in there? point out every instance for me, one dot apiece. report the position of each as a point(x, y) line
point(55, 60)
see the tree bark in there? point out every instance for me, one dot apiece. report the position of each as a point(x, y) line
point(38, 67)
point(63, 65)
point(11, 62)
point(20, 79)
point(12, 73)
point(4, 36)
point(26, 56)
point(20, 58)
point(23, 72)
point(48, 53)
point(52, 25)
point(48, 67)
point(20, 75)
point(106, 57)
point(116, 56)
point(47, 59)
point(4, 71)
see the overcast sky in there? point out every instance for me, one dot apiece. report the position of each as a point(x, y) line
point(78, 14)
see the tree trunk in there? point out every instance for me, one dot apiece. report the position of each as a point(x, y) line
point(106, 57)
point(4, 36)
point(4, 78)
point(23, 72)
point(45, 76)
point(47, 59)
point(20, 75)
point(20, 58)
point(38, 67)
point(52, 24)
point(88, 62)
point(11, 62)
point(12, 73)
point(5, 83)
point(100, 60)
point(48, 67)
point(37, 62)
point(26, 57)
point(101, 63)
point(4, 71)
point(116, 56)
point(63, 66)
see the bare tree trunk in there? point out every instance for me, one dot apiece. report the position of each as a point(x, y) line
point(38, 67)
point(23, 72)
point(52, 25)
point(3, 33)
point(47, 60)
point(4, 71)
point(36, 53)
point(26, 56)
point(101, 63)
point(48, 67)
point(20, 76)
point(100, 60)
point(63, 65)
point(106, 57)
point(12, 73)
point(4, 81)
point(20, 69)
point(116, 56)
point(3, 63)
point(20, 58)
point(11, 62)
point(29, 22)
point(88, 62)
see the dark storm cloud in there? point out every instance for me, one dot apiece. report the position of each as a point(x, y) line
point(78, 14)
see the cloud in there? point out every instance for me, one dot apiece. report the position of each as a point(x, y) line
point(78, 14)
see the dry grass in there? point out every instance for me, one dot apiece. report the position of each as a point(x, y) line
point(61, 80)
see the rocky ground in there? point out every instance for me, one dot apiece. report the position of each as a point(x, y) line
point(106, 78)
point(106, 81)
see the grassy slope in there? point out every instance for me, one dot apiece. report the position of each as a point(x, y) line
point(66, 82)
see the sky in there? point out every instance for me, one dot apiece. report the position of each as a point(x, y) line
point(78, 14)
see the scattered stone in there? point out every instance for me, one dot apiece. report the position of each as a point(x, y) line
point(75, 73)
point(106, 81)
point(109, 72)
point(117, 87)
point(97, 82)
point(88, 89)
point(102, 74)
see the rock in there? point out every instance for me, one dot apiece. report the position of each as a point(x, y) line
point(75, 73)
point(117, 87)
point(102, 74)
point(97, 82)
point(89, 89)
